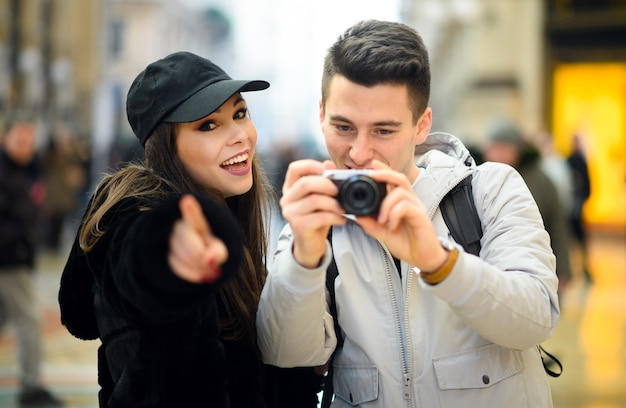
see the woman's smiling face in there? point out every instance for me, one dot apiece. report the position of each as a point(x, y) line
point(217, 150)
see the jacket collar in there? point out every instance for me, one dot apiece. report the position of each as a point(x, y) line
point(442, 158)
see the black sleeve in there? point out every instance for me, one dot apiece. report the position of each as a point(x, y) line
point(141, 281)
point(76, 296)
point(293, 387)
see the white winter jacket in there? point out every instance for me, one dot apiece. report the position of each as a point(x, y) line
point(469, 341)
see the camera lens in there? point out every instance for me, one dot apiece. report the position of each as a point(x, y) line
point(360, 195)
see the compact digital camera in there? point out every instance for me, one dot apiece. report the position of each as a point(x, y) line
point(359, 194)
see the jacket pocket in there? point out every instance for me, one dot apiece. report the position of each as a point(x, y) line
point(477, 368)
point(356, 384)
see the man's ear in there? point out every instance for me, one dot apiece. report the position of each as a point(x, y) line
point(322, 114)
point(424, 124)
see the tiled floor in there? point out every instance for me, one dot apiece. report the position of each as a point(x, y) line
point(69, 368)
point(590, 339)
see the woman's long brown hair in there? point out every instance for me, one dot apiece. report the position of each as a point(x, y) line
point(162, 172)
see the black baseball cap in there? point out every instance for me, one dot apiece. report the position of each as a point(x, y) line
point(182, 87)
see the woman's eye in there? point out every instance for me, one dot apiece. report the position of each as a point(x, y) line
point(241, 113)
point(206, 126)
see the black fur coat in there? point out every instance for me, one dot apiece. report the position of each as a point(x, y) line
point(160, 334)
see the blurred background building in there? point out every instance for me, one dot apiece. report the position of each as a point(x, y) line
point(550, 65)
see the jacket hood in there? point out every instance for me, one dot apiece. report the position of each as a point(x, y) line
point(446, 143)
point(440, 151)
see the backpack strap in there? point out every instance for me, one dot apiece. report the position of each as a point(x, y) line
point(331, 274)
point(459, 213)
point(548, 361)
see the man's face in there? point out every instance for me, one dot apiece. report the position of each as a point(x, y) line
point(502, 152)
point(19, 143)
point(361, 124)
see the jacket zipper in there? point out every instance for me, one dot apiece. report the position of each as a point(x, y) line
point(406, 373)
point(406, 348)
point(408, 389)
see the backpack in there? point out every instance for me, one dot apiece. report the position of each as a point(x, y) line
point(461, 218)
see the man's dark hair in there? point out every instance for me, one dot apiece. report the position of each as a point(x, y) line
point(374, 52)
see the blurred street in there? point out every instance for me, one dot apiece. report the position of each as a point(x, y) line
point(590, 340)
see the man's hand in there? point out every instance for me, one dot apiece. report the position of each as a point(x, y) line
point(195, 255)
point(308, 204)
point(402, 223)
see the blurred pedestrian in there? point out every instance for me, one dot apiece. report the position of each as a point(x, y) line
point(506, 144)
point(168, 264)
point(64, 176)
point(20, 195)
point(581, 191)
point(555, 166)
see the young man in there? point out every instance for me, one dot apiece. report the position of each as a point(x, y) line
point(424, 323)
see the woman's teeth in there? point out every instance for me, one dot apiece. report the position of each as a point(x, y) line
point(235, 160)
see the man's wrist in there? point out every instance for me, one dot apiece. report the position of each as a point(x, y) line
point(439, 274)
point(306, 262)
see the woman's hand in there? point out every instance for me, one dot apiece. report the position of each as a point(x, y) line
point(195, 255)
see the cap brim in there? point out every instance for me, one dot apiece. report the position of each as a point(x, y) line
point(208, 99)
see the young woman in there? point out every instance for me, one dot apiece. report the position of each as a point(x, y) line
point(168, 264)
